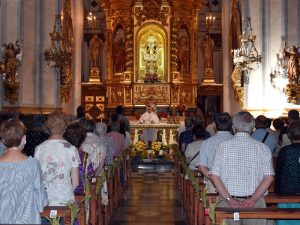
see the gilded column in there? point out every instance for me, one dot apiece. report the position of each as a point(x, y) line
point(173, 45)
point(194, 44)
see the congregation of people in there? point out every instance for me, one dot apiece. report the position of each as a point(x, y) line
point(243, 157)
point(49, 160)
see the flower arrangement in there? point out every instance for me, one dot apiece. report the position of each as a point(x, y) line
point(155, 149)
point(139, 150)
point(156, 146)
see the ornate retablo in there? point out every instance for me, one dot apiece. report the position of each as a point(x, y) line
point(158, 93)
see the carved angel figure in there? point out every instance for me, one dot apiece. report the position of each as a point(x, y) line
point(293, 64)
point(12, 55)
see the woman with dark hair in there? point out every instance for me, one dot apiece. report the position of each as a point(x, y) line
point(126, 134)
point(75, 134)
point(287, 175)
point(59, 162)
point(23, 196)
point(36, 135)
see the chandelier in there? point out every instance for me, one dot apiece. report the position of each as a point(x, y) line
point(246, 57)
point(59, 56)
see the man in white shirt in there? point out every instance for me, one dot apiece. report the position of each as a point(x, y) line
point(242, 170)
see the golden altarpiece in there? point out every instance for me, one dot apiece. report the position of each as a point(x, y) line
point(151, 53)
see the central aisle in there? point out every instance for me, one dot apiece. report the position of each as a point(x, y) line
point(151, 199)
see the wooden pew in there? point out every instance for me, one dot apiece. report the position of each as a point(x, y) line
point(256, 213)
point(191, 200)
point(62, 211)
point(93, 205)
point(81, 215)
point(271, 199)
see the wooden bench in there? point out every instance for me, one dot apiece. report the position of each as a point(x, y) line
point(190, 199)
point(256, 213)
point(271, 199)
point(62, 211)
point(81, 215)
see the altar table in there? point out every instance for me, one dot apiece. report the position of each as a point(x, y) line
point(169, 131)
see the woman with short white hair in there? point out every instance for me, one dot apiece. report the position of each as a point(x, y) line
point(101, 130)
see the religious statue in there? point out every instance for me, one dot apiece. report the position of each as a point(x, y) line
point(12, 54)
point(293, 64)
point(118, 52)
point(279, 75)
point(207, 46)
point(184, 55)
point(150, 58)
point(95, 46)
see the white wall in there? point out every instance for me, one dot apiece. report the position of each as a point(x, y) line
point(31, 21)
point(272, 22)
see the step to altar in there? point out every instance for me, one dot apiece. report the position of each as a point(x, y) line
point(160, 164)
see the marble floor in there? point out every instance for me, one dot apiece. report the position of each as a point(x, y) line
point(150, 199)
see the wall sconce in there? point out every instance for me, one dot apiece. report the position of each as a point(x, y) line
point(210, 22)
point(12, 55)
point(91, 21)
point(59, 56)
point(208, 45)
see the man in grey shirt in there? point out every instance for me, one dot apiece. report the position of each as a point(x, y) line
point(223, 125)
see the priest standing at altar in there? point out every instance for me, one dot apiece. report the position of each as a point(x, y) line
point(149, 117)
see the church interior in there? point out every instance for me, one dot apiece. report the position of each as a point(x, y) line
point(216, 55)
point(216, 59)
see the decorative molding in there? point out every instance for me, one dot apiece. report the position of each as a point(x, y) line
point(157, 93)
point(151, 10)
point(238, 89)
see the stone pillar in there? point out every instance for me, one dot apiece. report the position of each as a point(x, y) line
point(78, 19)
point(50, 82)
point(228, 98)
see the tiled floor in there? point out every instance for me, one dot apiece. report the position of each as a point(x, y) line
point(151, 199)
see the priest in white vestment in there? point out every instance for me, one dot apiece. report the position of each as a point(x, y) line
point(149, 117)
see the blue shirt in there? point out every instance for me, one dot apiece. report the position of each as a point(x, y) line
point(271, 140)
